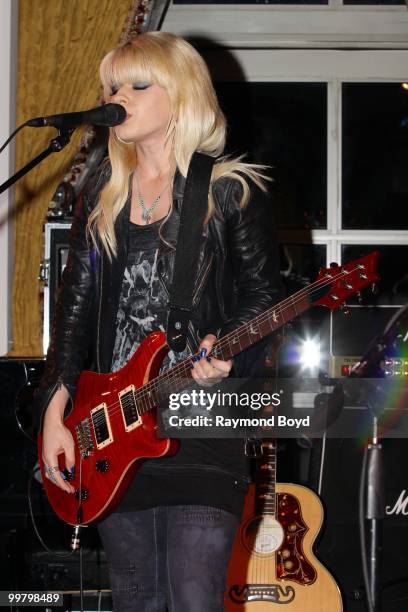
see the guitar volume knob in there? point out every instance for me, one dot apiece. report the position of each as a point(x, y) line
point(102, 466)
point(81, 494)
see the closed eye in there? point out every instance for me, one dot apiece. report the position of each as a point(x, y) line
point(140, 85)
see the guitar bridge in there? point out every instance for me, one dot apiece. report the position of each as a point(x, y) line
point(84, 438)
point(272, 593)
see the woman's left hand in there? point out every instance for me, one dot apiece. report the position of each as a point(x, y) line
point(208, 370)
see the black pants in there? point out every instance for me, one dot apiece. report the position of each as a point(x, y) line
point(174, 556)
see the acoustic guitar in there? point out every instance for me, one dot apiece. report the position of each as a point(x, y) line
point(272, 562)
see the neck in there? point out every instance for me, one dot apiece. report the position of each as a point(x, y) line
point(153, 160)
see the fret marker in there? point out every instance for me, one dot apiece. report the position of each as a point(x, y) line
point(253, 330)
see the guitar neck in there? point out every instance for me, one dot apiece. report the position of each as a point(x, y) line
point(265, 480)
point(261, 326)
point(233, 343)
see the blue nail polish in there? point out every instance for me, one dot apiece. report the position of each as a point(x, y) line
point(195, 358)
point(203, 352)
point(72, 470)
point(63, 476)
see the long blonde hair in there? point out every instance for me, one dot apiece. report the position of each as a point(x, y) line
point(196, 123)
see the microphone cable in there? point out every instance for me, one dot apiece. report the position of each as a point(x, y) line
point(20, 127)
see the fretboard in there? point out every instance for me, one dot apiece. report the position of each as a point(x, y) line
point(265, 479)
point(157, 390)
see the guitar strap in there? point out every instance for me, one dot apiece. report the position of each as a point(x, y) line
point(193, 212)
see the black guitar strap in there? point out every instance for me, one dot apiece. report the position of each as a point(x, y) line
point(193, 213)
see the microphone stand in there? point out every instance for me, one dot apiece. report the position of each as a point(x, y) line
point(56, 144)
point(375, 512)
point(373, 473)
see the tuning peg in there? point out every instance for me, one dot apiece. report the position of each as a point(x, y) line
point(345, 310)
point(374, 289)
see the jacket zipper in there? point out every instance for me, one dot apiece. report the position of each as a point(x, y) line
point(204, 278)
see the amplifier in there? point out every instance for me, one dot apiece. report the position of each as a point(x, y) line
point(351, 334)
point(339, 546)
point(56, 244)
point(24, 565)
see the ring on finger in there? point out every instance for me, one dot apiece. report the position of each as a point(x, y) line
point(52, 469)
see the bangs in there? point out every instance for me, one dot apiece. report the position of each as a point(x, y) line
point(127, 64)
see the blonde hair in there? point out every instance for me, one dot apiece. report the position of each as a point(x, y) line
point(196, 123)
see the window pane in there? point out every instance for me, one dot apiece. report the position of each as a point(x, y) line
point(250, 1)
point(375, 153)
point(300, 264)
point(373, 2)
point(283, 125)
point(393, 270)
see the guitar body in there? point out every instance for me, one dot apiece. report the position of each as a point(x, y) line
point(272, 562)
point(103, 474)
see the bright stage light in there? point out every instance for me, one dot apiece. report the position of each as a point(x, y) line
point(310, 354)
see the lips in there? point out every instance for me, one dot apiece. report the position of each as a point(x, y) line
point(127, 116)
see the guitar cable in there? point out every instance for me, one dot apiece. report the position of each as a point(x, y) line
point(36, 530)
point(75, 541)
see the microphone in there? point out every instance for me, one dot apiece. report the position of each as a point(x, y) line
point(108, 115)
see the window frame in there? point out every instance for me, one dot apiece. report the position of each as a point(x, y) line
point(329, 65)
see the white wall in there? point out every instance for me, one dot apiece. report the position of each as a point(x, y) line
point(8, 71)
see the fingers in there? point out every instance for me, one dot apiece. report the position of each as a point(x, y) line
point(70, 458)
point(207, 368)
point(53, 473)
point(57, 441)
point(207, 343)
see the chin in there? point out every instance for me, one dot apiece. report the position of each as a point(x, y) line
point(126, 135)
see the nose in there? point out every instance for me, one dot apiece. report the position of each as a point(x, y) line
point(119, 97)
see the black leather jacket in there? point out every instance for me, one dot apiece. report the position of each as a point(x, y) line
point(238, 278)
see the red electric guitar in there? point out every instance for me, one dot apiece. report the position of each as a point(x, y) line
point(113, 421)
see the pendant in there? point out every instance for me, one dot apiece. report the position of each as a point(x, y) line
point(146, 216)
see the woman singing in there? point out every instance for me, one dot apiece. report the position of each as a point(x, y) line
point(168, 541)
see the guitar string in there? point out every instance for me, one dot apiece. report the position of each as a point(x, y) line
point(260, 568)
point(183, 367)
point(262, 562)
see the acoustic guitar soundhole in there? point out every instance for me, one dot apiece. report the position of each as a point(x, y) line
point(262, 535)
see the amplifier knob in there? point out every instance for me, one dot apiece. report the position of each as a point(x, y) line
point(102, 465)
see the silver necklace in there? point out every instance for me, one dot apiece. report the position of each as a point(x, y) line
point(147, 210)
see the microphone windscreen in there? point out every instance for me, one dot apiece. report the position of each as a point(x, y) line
point(114, 114)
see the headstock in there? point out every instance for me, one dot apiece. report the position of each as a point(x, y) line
point(336, 284)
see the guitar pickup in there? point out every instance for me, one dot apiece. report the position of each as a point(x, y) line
point(101, 425)
point(130, 413)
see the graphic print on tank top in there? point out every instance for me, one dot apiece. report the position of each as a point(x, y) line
point(143, 300)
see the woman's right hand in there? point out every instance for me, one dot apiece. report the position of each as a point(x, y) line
point(57, 440)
